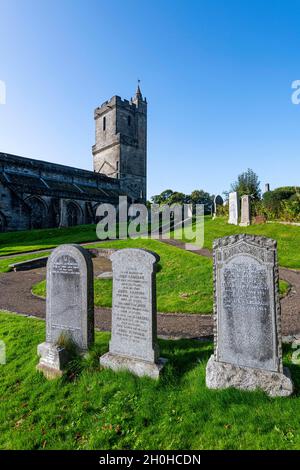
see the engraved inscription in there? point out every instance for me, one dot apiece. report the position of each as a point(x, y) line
point(65, 264)
point(132, 316)
point(66, 297)
point(134, 305)
point(246, 314)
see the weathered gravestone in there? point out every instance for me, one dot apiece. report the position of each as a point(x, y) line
point(247, 323)
point(234, 208)
point(218, 201)
point(70, 307)
point(133, 344)
point(2, 352)
point(245, 211)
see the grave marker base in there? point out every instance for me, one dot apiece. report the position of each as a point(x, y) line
point(224, 375)
point(53, 360)
point(136, 366)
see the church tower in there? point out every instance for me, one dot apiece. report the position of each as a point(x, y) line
point(120, 150)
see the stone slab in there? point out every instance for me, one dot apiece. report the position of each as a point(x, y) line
point(53, 360)
point(136, 366)
point(133, 343)
point(70, 299)
point(245, 211)
point(221, 375)
point(234, 208)
point(105, 275)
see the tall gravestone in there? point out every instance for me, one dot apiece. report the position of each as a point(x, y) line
point(133, 344)
point(234, 208)
point(69, 308)
point(245, 211)
point(247, 321)
point(218, 201)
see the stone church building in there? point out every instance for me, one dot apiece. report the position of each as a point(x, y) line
point(38, 194)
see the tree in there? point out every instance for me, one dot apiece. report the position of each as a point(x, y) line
point(247, 183)
point(163, 197)
point(177, 198)
point(198, 196)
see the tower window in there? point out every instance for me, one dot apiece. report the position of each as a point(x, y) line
point(104, 123)
point(129, 120)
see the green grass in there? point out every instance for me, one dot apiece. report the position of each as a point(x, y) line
point(184, 280)
point(284, 288)
point(90, 408)
point(4, 263)
point(287, 236)
point(31, 240)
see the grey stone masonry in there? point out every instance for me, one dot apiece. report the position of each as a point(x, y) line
point(70, 307)
point(234, 208)
point(120, 150)
point(245, 211)
point(133, 344)
point(247, 318)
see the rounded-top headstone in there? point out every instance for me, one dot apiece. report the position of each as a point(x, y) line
point(218, 200)
point(70, 296)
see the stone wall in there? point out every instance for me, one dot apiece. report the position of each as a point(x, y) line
point(37, 194)
point(120, 150)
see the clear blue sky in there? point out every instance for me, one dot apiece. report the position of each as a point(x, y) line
point(217, 76)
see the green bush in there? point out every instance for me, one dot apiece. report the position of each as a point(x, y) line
point(223, 211)
point(282, 203)
point(290, 209)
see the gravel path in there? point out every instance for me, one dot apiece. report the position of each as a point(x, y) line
point(15, 296)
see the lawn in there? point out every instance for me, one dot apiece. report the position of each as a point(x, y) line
point(287, 236)
point(184, 280)
point(5, 262)
point(31, 240)
point(90, 408)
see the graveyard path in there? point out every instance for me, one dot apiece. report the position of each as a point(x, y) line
point(290, 304)
point(16, 296)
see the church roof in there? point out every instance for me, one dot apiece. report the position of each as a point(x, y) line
point(28, 176)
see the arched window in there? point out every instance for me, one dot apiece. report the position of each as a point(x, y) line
point(2, 223)
point(38, 212)
point(104, 123)
point(129, 120)
point(73, 214)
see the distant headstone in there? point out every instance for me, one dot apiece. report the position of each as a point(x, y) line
point(133, 344)
point(2, 353)
point(247, 320)
point(70, 307)
point(218, 201)
point(234, 208)
point(267, 187)
point(245, 211)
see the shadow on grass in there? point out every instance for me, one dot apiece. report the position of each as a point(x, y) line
point(183, 356)
point(294, 368)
